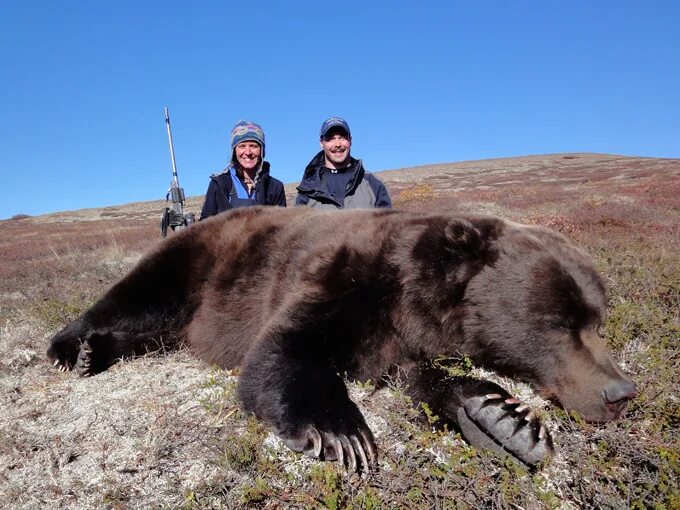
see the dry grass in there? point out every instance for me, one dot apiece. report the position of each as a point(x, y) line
point(166, 431)
point(417, 193)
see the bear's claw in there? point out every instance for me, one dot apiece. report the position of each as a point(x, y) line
point(505, 426)
point(62, 366)
point(356, 451)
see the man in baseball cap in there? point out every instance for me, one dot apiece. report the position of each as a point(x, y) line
point(334, 179)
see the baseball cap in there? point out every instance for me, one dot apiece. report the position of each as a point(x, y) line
point(334, 122)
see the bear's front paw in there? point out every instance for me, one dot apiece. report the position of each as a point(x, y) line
point(505, 426)
point(352, 446)
point(63, 352)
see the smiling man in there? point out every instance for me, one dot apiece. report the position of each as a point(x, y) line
point(336, 180)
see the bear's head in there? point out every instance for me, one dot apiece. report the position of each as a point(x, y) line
point(536, 311)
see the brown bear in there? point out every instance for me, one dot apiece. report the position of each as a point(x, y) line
point(298, 296)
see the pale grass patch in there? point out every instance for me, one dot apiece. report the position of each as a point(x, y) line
point(135, 433)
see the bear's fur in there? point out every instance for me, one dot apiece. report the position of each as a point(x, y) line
point(297, 296)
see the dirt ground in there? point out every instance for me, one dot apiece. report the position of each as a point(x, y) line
point(166, 431)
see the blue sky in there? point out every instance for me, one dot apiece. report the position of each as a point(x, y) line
point(83, 85)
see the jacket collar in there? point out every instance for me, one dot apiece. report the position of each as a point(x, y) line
point(313, 183)
point(231, 170)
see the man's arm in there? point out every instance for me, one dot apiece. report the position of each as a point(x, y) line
point(210, 202)
point(382, 197)
point(281, 197)
point(301, 199)
point(217, 198)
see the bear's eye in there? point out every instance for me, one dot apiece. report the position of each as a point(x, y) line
point(562, 323)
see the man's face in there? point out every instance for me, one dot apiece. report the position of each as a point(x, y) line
point(336, 144)
point(248, 154)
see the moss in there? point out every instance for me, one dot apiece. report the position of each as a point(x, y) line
point(367, 499)
point(244, 451)
point(544, 494)
point(415, 495)
point(54, 313)
point(454, 366)
point(429, 414)
point(328, 486)
point(220, 394)
point(254, 493)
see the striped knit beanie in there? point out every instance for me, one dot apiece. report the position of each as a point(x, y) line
point(245, 130)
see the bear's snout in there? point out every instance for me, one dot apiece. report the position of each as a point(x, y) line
point(616, 396)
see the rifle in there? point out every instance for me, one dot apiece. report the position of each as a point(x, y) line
point(174, 216)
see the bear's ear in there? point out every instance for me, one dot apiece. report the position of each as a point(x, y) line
point(461, 237)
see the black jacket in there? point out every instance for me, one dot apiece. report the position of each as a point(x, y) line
point(313, 189)
point(269, 191)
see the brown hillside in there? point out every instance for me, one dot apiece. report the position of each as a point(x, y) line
point(166, 431)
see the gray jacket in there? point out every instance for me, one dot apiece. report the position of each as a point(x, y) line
point(364, 190)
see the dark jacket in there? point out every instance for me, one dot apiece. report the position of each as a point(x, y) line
point(218, 198)
point(364, 190)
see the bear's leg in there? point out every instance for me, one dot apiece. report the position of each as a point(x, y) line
point(90, 351)
point(289, 384)
point(487, 415)
point(101, 349)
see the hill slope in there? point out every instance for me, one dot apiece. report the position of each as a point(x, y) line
point(166, 432)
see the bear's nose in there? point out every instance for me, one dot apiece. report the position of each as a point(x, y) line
point(619, 391)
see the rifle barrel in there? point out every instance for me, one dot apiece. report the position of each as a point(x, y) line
point(175, 179)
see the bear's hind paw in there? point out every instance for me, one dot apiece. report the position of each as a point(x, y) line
point(505, 426)
point(83, 365)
